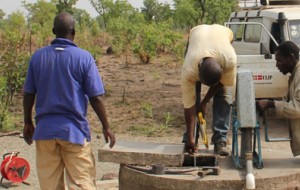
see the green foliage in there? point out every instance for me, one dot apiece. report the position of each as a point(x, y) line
point(10, 121)
point(153, 38)
point(120, 8)
point(147, 109)
point(83, 40)
point(13, 58)
point(101, 8)
point(123, 34)
point(40, 21)
point(218, 11)
point(168, 119)
point(153, 129)
point(144, 130)
point(86, 30)
point(189, 13)
point(144, 39)
point(169, 37)
point(156, 75)
point(41, 12)
point(95, 28)
point(136, 18)
point(109, 9)
point(179, 48)
point(65, 6)
point(185, 14)
point(83, 19)
point(155, 11)
point(2, 14)
point(147, 41)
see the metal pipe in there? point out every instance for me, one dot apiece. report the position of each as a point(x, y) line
point(250, 179)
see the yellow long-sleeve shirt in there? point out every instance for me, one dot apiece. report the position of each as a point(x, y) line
point(207, 41)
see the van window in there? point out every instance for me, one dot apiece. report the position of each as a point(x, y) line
point(237, 29)
point(276, 33)
point(294, 28)
point(253, 32)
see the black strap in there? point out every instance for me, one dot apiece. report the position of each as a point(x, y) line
point(198, 94)
point(197, 104)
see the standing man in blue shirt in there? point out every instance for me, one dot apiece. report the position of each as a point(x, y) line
point(61, 80)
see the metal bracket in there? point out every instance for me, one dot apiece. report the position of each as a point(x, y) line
point(256, 148)
point(270, 139)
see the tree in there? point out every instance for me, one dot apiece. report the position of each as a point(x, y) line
point(13, 59)
point(147, 41)
point(102, 7)
point(108, 9)
point(65, 6)
point(189, 13)
point(218, 11)
point(2, 14)
point(120, 8)
point(185, 14)
point(82, 18)
point(40, 20)
point(124, 33)
point(155, 11)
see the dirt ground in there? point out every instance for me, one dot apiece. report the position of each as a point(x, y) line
point(143, 99)
point(143, 103)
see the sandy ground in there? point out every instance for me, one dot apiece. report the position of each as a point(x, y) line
point(11, 144)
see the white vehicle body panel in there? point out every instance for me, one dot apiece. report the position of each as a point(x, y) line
point(257, 54)
point(268, 82)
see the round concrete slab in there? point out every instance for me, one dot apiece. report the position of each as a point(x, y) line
point(281, 171)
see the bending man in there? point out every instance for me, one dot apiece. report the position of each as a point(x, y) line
point(210, 60)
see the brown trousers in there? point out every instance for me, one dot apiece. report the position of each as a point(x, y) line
point(57, 160)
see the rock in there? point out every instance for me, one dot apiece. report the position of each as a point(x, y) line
point(110, 176)
point(109, 51)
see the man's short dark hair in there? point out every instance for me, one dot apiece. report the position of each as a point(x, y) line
point(287, 48)
point(63, 24)
point(210, 71)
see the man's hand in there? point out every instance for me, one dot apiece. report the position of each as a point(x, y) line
point(28, 131)
point(264, 104)
point(201, 108)
point(109, 135)
point(190, 146)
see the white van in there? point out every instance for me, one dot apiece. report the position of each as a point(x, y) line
point(257, 31)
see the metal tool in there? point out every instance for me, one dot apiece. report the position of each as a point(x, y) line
point(209, 171)
point(202, 128)
point(160, 169)
point(195, 136)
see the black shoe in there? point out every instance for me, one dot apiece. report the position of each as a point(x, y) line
point(221, 149)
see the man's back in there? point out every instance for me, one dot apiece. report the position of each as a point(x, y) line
point(210, 41)
point(207, 41)
point(63, 77)
point(61, 80)
point(214, 36)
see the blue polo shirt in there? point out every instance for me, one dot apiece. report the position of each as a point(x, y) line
point(62, 76)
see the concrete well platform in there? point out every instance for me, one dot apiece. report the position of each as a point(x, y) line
point(281, 170)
